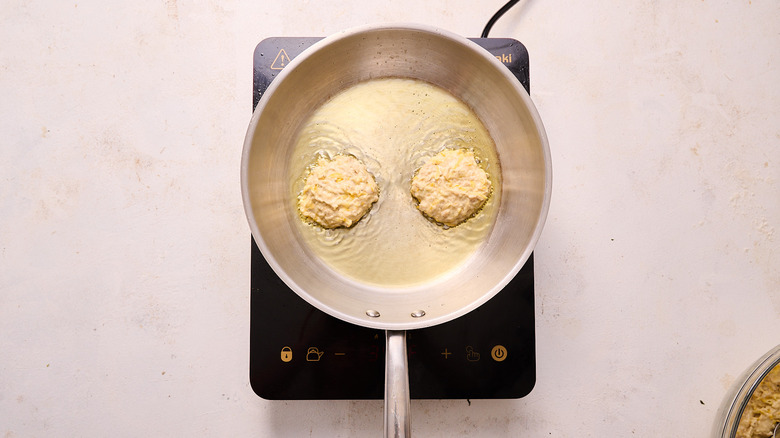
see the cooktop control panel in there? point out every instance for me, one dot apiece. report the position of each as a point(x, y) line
point(298, 352)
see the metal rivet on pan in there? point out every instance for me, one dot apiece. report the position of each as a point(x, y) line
point(372, 313)
point(418, 313)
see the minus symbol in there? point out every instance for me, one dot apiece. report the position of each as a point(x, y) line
point(340, 354)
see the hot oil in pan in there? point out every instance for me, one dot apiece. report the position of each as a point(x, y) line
point(394, 125)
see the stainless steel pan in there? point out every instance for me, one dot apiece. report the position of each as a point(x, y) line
point(469, 73)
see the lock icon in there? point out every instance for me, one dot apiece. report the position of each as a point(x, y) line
point(286, 354)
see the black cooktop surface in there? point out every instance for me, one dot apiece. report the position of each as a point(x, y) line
point(300, 353)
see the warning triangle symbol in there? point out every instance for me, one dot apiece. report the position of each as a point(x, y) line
point(280, 61)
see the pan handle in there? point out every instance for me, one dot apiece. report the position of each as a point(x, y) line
point(397, 399)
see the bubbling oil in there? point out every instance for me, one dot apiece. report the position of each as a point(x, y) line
point(393, 125)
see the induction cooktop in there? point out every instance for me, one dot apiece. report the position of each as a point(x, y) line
point(297, 352)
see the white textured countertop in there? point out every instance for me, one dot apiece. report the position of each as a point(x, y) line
point(124, 251)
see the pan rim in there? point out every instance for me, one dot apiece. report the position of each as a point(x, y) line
point(378, 323)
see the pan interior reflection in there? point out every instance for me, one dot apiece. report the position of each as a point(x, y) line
point(393, 126)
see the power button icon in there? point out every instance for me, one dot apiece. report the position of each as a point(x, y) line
point(498, 353)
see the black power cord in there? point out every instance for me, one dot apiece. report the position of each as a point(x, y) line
point(498, 15)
